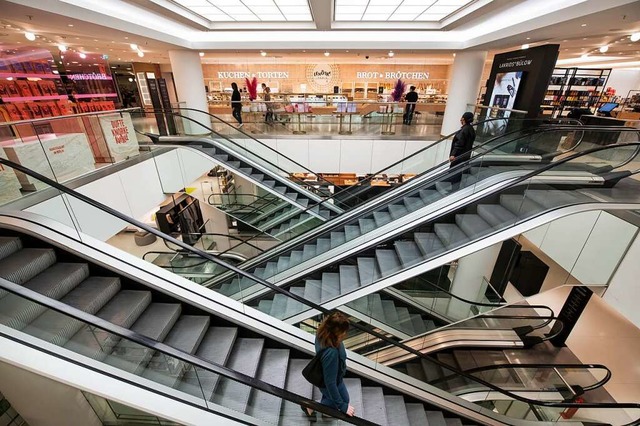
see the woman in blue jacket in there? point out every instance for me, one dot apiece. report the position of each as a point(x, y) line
point(331, 332)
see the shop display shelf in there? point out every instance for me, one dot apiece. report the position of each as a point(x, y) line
point(26, 75)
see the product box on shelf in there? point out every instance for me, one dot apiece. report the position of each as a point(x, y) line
point(13, 112)
point(35, 88)
point(23, 87)
point(25, 112)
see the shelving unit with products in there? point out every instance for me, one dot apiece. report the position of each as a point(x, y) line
point(571, 88)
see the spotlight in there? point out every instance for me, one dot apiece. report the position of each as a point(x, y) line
point(130, 80)
point(634, 37)
point(525, 46)
point(604, 49)
point(83, 55)
point(263, 53)
point(62, 47)
point(30, 36)
point(327, 53)
point(140, 53)
point(133, 46)
point(201, 54)
point(391, 54)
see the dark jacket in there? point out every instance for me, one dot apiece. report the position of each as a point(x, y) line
point(462, 144)
point(334, 367)
point(236, 99)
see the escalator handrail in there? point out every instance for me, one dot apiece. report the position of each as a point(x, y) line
point(366, 328)
point(484, 368)
point(390, 196)
point(155, 345)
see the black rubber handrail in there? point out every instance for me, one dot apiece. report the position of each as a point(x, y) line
point(498, 367)
point(366, 328)
point(192, 360)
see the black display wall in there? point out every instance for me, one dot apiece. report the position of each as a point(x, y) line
point(536, 65)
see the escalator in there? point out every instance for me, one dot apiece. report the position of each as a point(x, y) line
point(295, 204)
point(68, 293)
point(435, 224)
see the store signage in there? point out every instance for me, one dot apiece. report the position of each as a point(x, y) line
point(120, 136)
point(259, 74)
point(570, 314)
point(519, 63)
point(91, 76)
point(322, 76)
point(391, 75)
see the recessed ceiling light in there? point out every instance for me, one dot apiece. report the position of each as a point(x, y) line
point(140, 54)
point(62, 48)
point(29, 36)
point(126, 38)
point(134, 46)
point(327, 53)
point(69, 25)
point(525, 46)
point(634, 37)
point(603, 49)
point(454, 55)
point(83, 55)
point(263, 53)
point(391, 54)
point(201, 54)
point(528, 38)
point(583, 25)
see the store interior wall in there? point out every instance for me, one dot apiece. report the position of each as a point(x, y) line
point(624, 80)
point(623, 292)
point(42, 401)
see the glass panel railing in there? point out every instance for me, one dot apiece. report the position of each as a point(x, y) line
point(147, 362)
point(503, 197)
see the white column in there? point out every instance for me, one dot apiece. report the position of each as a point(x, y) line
point(464, 85)
point(189, 81)
point(468, 282)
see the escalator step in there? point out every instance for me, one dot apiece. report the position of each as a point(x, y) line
point(155, 323)
point(374, 405)
point(9, 245)
point(416, 371)
point(291, 195)
point(337, 239)
point(186, 335)
point(555, 198)
point(429, 195)
point(279, 306)
point(313, 290)
point(272, 370)
point(435, 418)
point(397, 211)
point(293, 306)
point(418, 324)
point(496, 215)
point(366, 225)
point(280, 189)
point(269, 183)
point(453, 422)
point(408, 253)
point(351, 232)
point(428, 243)
point(349, 280)
point(381, 218)
point(296, 257)
point(430, 325)
point(413, 203)
point(450, 235)
point(25, 264)
point(376, 310)
point(259, 177)
point(89, 296)
point(444, 188)
point(387, 262)
point(367, 270)
point(519, 205)
point(215, 347)
point(330, 286)
point(221, 157)
point(271, 268)
point(246, 170)
point(404, 321)
point(354, 387)
point(322, 245)
point(396, 409)
point(416, 414)
point(431, 371)
point(265, 306)
point(464, 359)
point(54, 283)
point(283, 263)
point(234, 164)
point(472, 225)
point(390, 313)
point(295, 383)
point(308, 251)
point(304, 202)
point(245, 358)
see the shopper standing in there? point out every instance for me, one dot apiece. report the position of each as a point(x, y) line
point(461, 146)
point(331, 332)
point(410, 98)
point(236, 104)
point(268, 117)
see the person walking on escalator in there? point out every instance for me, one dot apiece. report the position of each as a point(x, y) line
point(236, 104)
point(329, 342)
point(461, 146)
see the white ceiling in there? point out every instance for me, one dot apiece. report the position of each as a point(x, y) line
point(109, 26)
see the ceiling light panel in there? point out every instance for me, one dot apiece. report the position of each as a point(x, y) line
point(397, 10)
point(250, 10)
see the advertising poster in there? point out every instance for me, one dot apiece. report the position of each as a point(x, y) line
point(120, 136)
point(9, 185)
point(505, 90)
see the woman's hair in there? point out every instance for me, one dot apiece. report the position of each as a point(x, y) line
point(234, 86)
point(332, 329)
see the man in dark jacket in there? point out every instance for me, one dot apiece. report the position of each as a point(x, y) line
point(461, 147)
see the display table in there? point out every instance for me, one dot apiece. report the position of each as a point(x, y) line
point(69, 156)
